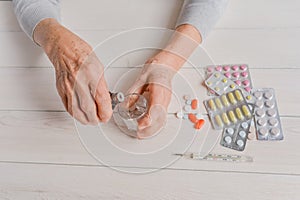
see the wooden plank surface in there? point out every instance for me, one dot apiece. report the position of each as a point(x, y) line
point(50, 137)
point(42, 156)
point(22, 181)
point(224, 46)
point(94, 14)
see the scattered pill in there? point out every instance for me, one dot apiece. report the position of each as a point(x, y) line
point(209, 83)
point(239, 113)
point(275, 131)
point(179, 115)
point(232, 86)
point(242, 134)
point(187, 108)
point(212, 104)
point(219, 103)
point(225, 100)
point(240, 143)
point(219, 121)
point(232, 116)
point(186, 97)
point(224, 80)
point(188, 102)
point(192, 117)
point(244, 125)
point(238, 95)
point(230, 131)
point(185, 116)
point(198, 115)
point(225, 119)
point(194, 104)
point(199, 124)
point(231, 98)
point(273, 121)
point(246, 111)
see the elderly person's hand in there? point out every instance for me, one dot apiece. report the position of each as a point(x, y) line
point(79, 73)
point(155, 81)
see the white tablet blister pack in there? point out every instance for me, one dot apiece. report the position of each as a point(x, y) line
point(266, 115)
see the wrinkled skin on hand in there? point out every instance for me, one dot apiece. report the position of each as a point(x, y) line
point(155, 83)
point(79, 73)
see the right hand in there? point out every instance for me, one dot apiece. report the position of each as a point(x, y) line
point(79, 73)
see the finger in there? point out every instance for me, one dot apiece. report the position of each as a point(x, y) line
point(158, 101)
point(86, 102)
point(73, 103)
point(77, 112)
point(153, 122)
point(103, 101)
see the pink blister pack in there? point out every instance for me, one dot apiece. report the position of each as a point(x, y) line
point(238, 73)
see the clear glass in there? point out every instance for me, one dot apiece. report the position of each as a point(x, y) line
point(127, 113)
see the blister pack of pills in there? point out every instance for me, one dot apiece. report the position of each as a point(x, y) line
point(266, 115)
point(220, 84)
point(235, 137)
point(238, 73)
point(228, 109)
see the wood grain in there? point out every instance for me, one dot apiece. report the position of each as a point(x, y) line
point(21, 181)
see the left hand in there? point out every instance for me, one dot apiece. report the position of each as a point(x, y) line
point(155, 83)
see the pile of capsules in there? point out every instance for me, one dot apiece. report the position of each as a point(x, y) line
point(190, 112)
point(236, 106)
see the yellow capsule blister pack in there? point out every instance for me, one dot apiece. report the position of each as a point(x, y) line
point(228, 109)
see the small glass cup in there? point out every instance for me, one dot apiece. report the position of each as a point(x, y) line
point(127, 113)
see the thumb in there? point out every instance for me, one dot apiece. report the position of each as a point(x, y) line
point(152, 123)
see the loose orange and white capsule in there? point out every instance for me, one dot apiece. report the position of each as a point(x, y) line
point(194, 104)
point(193, 118)
point(199, 124)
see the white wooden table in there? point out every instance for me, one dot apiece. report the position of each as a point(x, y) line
point(41, 156)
